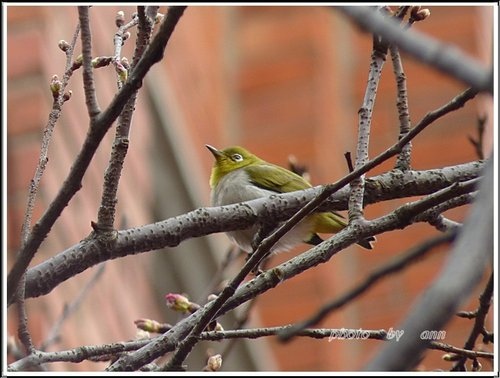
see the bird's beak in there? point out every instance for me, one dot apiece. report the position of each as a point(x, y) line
point(214, 151)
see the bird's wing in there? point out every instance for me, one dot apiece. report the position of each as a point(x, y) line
point(280, 181)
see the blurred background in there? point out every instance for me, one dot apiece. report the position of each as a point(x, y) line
point(281, 81)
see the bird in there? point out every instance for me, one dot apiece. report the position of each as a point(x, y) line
point(238, 175)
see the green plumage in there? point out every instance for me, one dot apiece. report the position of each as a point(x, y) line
point(238, 175)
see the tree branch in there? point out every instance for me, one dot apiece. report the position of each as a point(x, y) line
point(482, 311)
point(319, 254)
point(469, 258)
point(88, 73)
point(403, 160)
point(447, 59)
point(42, 278)
point(393, 266)
point(107, 209)
point(378, 57)
point(95, 135)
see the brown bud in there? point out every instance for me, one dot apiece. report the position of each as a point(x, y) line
point(422, 14)
point(414, 9)
point(476, 365)
point(67, 95)
point(119, 19)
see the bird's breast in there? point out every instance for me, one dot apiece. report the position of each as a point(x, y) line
point(236, 187)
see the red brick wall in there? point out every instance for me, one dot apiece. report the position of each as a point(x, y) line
point(278, 80)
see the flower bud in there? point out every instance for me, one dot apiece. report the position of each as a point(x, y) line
point(125, 63)
point(476, 365)
point(122, 72)
point(159, 17)
point(147, 325)
point(67, 95)
point(451, 357)
point(214, 363)
point(63, 45)
point(55, 86)
point(119, 19)
point(178, 302)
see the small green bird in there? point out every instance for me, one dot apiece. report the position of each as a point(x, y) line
point(239, 176)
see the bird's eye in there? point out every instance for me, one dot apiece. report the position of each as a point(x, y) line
point(237, 158)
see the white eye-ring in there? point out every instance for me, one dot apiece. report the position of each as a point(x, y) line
point(237, 158)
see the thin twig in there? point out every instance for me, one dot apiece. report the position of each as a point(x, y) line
point(478, 143)
point(54, 333)
point(333, 334)
point(72, 183)
point(88, 72)
point(393, 266)
point(58, 95)
point(82, 353)
point(477, 329)
point(465, 353)
point(22, 317)
point(436, 219)
point(93, 352)
point(378, 57)
point(403, 160)
point(107, 209)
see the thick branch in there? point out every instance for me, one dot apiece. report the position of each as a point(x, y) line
point(42, 278)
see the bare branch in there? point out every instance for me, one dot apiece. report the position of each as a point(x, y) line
point(482, 311)
point(88, 73)
point(76, 355)
point(378, 57)
point(327, 190)
point(319, 254)
point(478, 142)
point(42, 278)
point(58, 91)
point(72, 183)
point(403, 161)
point(469, 258)
point(395, 265)
point(445, 58)
point(107, 210)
